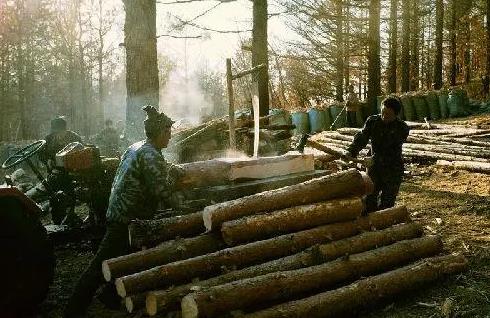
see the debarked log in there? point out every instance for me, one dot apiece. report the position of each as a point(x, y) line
point(337, 185)
point(367, 291)
point(254, 253)
point(279, 286)
point(290, 220)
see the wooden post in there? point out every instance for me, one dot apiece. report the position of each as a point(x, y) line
point(231, 105)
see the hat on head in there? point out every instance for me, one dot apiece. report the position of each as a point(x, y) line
point(155, 121)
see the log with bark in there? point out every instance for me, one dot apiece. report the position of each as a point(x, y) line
point(167, 252)
point(337, 185)
point(293, 219)
point(281, 286)
point(169, 299)
point(483, 167)
point(146, 233)
point(253, 253)
point(134, 302)
point(349, 299)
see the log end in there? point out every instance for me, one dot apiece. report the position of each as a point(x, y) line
point(106, 271)
point(151, 304)
point(129, 304)
point(368, 183)
point(121, 291)
point(189, 307)
point(206, 217)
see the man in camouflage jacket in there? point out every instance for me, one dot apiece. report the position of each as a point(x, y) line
point(143, 180)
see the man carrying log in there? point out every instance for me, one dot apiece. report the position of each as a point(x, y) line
point(143, 180)
point(387, 134)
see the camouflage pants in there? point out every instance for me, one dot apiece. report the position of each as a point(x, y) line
point(386, 186)
point(114, 243)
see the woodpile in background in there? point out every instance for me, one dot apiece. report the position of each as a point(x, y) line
point(304, 250)
point(443, 145)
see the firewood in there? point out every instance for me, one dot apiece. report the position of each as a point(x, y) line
point(290, 220)
point(367, 291)
point(253, 253)
point(280, 286)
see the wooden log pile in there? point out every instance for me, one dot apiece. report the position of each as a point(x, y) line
point(444, 145)
point(276, 253)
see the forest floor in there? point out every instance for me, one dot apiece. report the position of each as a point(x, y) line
point(451, 203)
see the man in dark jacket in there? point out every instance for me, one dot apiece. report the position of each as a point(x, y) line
point(387, 134)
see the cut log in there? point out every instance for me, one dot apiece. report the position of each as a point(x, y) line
point(281, 286)
point(349, 299)
point(135, 302)
point(290, 220)
point(164, 300)
point(483, 167)
point(224, 170)
point(253, 253)
point(439, 156)
point(146, 233)
point(337, 185)
point(167, 252)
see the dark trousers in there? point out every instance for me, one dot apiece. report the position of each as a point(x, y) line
point(352, 119)
point(114, 243)
point(386, 186)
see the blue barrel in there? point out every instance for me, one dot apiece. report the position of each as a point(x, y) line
point(335, 111)
point(455, 103)
point(328, 119)
point(317, 120)
point(302, 123)
point(279, 117)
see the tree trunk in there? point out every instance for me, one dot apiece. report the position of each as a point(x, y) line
point(405, 60)
point(141, 63)
point(339, 44)
point(165, 253)
point(253, 253)
point(158, 301)
point(339, 185)
point(374, 67)
point(393, 47)
point(145, 233)
point(348, 299)
point(415, 50)
point(282, 286)
point(487, 70)
point(439, 33)
point(467, 48)
point(290, 220)
point(260, 53)
point(482, 167)
point(452, 60)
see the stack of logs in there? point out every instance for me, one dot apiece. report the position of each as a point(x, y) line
point(444, 145)
point(303, 250)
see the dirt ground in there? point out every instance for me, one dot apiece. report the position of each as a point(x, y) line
point(454, 204)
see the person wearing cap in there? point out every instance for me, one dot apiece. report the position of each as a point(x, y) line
point(57, 139)
point(387, 133)
point(142, 183)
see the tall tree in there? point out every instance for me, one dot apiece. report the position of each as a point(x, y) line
point(141, 62)
point(415, 49)
point(339, 44)
point(259, 52)
point(487, 70)
point(393, 47)
point(405, 60)
point(452, 60)
point(438, 55)
point(374, 67)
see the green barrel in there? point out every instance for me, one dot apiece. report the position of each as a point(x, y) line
point(279, 117)
point(408, 108)
point(443, 108)
point(420, 106)
point(301, 121)
point(328, 118)
point(455, 103)
point(317, 120)
point(433, 104)
point(335, 110)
